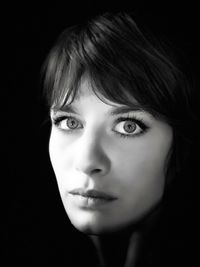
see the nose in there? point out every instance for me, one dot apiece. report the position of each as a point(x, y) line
point(91, 158)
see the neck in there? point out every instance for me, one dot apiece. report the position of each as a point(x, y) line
point(122, 249)
point(114, 249)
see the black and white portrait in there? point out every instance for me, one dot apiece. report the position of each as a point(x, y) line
point(103, 164)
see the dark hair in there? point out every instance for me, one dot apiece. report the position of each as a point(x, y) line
point(121, 63)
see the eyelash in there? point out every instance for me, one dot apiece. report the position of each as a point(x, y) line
point(137, 121)
point(56, 121)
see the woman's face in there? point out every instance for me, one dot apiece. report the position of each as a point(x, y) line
point(109, 160)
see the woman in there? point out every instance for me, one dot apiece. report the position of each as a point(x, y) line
point(119, 139)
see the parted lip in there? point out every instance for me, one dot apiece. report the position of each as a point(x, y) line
point(92, 194)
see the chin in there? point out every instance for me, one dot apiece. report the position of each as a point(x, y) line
point(91, 228)
point(99, 222)
point(97, 227)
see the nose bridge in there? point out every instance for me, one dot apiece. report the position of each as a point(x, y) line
point(91, 155)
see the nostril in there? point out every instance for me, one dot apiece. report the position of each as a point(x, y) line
point(96, 171)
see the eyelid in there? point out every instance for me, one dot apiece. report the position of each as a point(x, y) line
point(58, 117)
point(57, 120)
point(138, 121)
point(63, 115)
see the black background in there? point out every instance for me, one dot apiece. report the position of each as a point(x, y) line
point(35, 213)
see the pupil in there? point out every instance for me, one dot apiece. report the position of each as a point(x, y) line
point(129, 127)
point(71, 123)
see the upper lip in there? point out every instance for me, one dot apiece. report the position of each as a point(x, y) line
point(92, 193)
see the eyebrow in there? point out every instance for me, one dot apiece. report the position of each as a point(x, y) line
point(114, 111)
point(66, 108)
point(125, 109)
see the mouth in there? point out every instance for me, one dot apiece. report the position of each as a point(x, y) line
point(90, 199)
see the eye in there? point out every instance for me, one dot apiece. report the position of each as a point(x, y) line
point(67, 123)
point(129, 127)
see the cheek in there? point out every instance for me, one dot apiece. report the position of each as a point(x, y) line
point(141, 182)
point(140, 167)
point(61, 156)
point(148, 154)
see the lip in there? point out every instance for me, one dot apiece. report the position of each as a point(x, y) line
point(92, 194)
point(90, 199)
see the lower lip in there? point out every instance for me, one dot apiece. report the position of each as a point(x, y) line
point(89, 202)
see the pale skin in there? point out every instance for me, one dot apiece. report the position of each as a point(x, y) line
point(118, 152)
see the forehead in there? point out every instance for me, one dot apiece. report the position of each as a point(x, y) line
point(84, 90)
point(88, 90)
point(87, 96)
point(87, 102)
point(87, 93)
